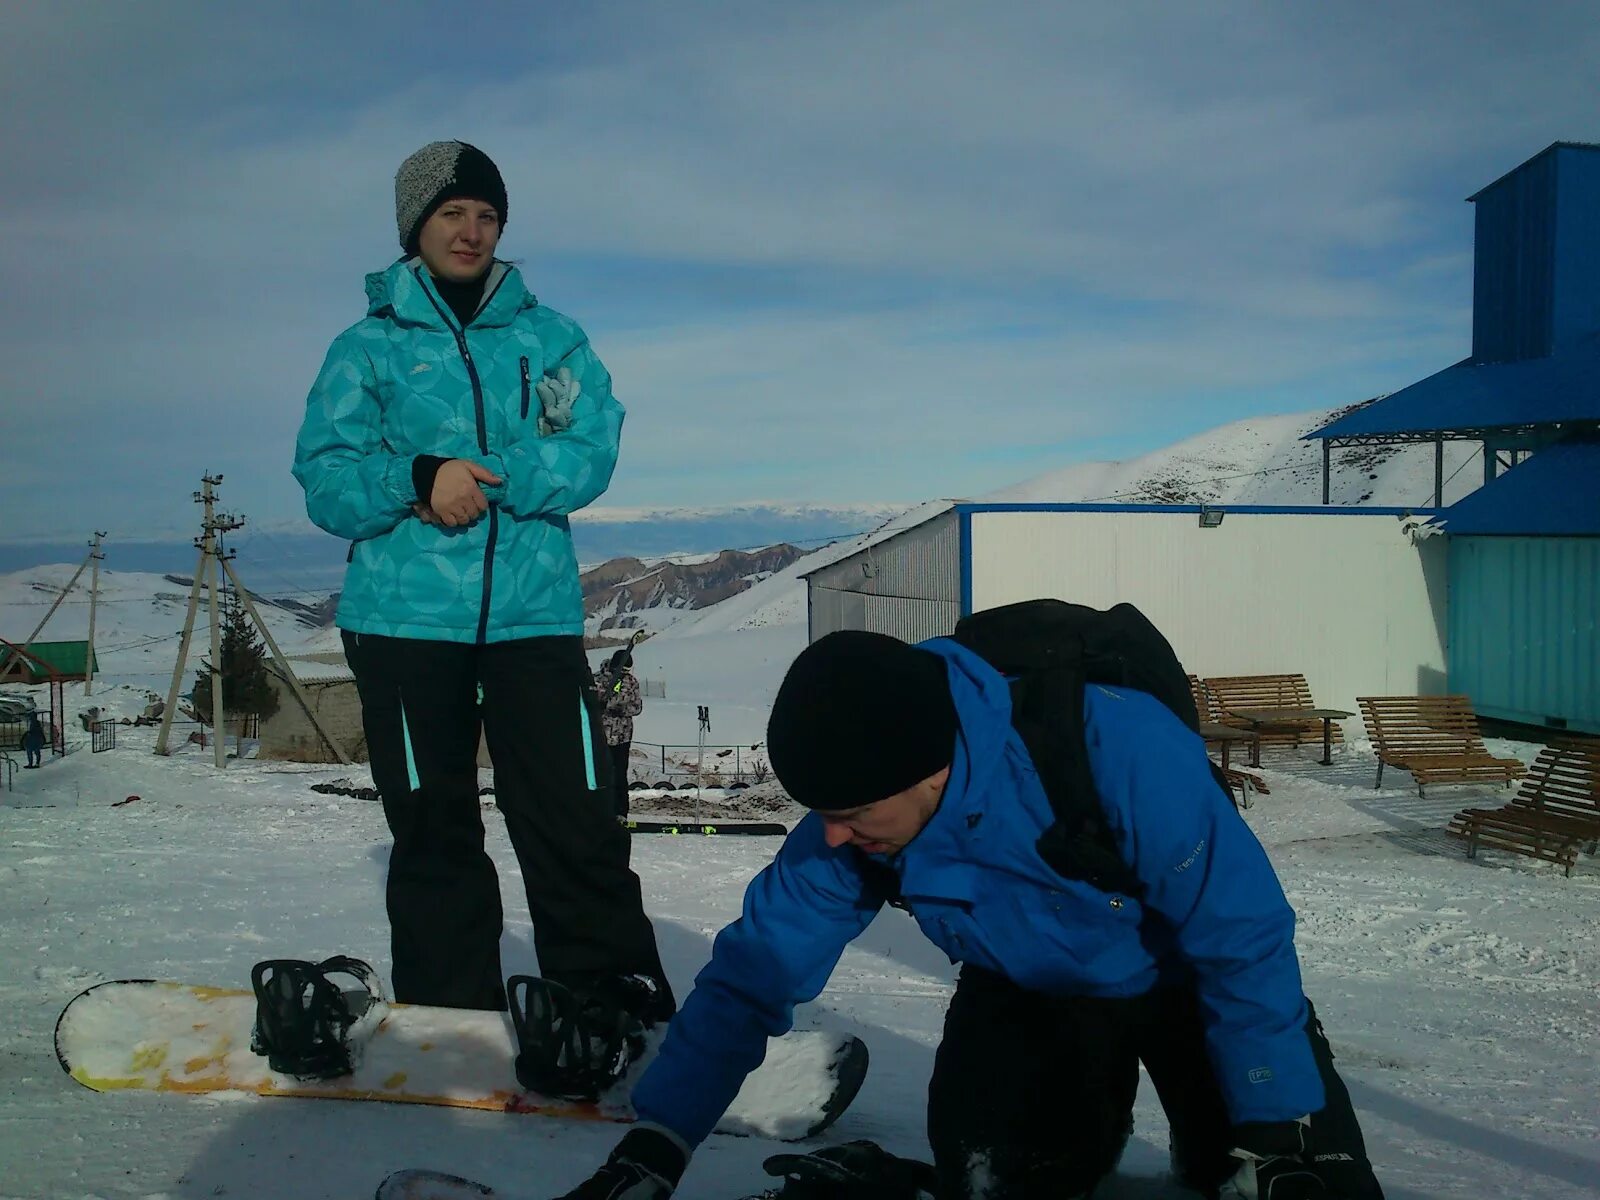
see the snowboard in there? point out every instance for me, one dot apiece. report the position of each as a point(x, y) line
point(172, 1037)
point(435, 1185)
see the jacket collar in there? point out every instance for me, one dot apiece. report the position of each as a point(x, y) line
point(937, 862)
point(405, 292)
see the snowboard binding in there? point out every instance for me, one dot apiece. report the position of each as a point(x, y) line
point(860, 1170)
point(306, 1025)
point(573, 1045)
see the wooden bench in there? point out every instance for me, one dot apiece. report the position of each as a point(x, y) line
point(1244, 782)
point(1229, 692)
point(1554, 815)
point(1436, 738)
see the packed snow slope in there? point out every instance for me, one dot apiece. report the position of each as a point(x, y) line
point(1459, 995)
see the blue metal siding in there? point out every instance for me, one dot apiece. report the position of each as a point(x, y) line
point(1576, 302)
point(1513, 264)
point(1524, 643)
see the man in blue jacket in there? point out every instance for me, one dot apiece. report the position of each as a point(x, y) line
point(1064, 988)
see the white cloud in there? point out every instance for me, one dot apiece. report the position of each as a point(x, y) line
point(1189, 213)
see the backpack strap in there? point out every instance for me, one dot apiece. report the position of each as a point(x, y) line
point(1047, 712)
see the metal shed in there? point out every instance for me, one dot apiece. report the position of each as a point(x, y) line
point(1354, 598)
point(1525, 591)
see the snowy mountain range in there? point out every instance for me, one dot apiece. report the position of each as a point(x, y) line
point(1257, 461)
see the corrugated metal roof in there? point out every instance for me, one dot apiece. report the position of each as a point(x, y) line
point(1554, 493)
point(308, 670)
point(1552, 148)
point(1467, 397)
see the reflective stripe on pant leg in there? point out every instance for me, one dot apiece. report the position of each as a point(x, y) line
point(588, 742)
point(411, 758)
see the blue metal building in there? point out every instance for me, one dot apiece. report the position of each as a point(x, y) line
point(1524, 550)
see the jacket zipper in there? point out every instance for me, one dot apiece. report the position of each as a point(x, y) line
point(525, 387)
point(483, 444)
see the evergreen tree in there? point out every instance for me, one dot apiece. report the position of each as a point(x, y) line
point(246, 687)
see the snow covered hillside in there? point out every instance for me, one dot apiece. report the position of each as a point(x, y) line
point(138, 620)
point(1261, 460)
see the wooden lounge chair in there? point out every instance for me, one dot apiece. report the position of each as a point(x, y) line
point(1231, 692)
point(1245, 783)
point(1436, 738)
point(1555, 814)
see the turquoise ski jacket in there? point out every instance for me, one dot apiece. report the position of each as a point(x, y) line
point(410, 380)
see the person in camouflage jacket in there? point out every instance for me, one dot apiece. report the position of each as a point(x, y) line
point(621, 702)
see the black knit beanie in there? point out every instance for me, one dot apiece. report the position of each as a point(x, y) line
point(438, 172)
point(859, 717)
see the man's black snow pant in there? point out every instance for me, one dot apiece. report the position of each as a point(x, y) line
point(620, 761)
point(552, 781)
point(1032, 1095)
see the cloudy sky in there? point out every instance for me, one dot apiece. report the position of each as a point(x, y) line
point(832, 252)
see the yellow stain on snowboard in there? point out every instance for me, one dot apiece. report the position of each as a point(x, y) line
point(394, 1081)
point(149, 1058)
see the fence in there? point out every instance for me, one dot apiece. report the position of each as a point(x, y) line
point(103, 736)
point(653, 689)
point(710, 763)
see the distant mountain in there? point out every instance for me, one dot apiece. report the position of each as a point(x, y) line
point(628, 593)
point(290, 558)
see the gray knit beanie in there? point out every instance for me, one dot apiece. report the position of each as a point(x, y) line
point(438, 172)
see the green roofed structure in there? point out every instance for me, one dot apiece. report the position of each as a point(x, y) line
point(38, 661)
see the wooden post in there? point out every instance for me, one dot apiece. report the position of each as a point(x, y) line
point(283, 664)
point(219, 733)
point(183, 657)
point(94, 596)
point(5, 659)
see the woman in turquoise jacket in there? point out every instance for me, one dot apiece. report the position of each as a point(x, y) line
point(448, 436)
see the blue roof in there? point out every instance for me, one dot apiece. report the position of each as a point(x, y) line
point(1556, 492)
point(1468, 396)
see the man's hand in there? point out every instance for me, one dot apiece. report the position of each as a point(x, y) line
point(457, 497)
point(646, 1165)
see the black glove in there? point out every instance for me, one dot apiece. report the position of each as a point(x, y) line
point(1275, 1163)
point(853, 1171)
point(646, 1165)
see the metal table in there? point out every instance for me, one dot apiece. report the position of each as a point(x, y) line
point(1263, 719)
point(1227, 735)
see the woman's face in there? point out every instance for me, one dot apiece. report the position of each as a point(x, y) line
point(458, 241)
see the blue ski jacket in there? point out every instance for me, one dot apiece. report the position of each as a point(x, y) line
point(1213, 912)
point(409, 380)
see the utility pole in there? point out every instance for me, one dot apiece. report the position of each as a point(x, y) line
point(214, 563)
point(94, 595)
point(211, 524)
point(5, 660)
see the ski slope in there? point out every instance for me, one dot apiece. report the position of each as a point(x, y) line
point(1460, 996)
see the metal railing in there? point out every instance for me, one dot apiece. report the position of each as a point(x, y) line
point(102, 736)
point(708, 765)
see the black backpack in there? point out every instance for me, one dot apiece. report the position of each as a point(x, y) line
point(1049, 650)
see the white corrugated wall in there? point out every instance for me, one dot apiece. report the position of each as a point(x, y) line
point(1347, 599)
point(908, 586)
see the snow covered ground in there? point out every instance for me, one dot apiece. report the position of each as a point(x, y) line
point(1460, 996)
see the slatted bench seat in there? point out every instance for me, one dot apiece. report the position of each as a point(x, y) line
point(1243, 692)
point(1436, 738)
point(1554, 815)
point(1246, 783)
